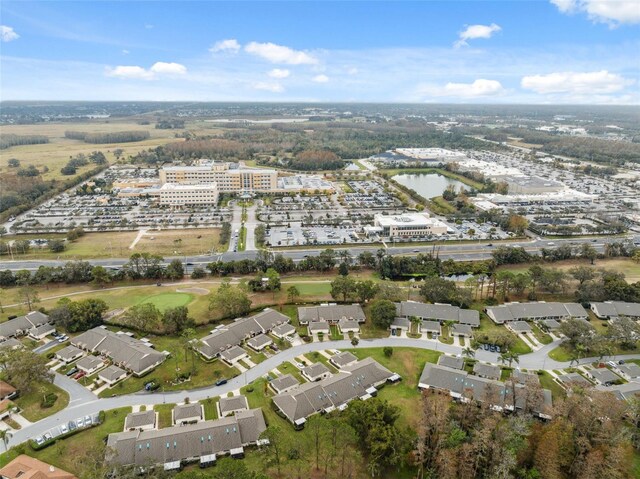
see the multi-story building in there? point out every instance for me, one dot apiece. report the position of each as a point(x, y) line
point(229, 177)
point(409, 225)
point(184, 194)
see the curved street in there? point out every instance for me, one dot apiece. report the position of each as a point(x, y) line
point(82, 402)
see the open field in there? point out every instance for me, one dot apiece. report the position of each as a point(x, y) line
point(115, 244)
point(55, 154)
point(630, 269)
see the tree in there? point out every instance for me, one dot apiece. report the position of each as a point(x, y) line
point(390, 291)
point(24, 369)
point(175, 320)
point(68, 170)
point(13, 163)
point(383, 312)
point(84, 314)
point(56, 245)
point(624, 331)
point(274, 452)
point(229, 301)
point(187, 339)
point(343, 287)
point(589, 252)
point(100, 276)
point(387, 351)
point(293, 293)
point(509, 357)
point(273, 280)
point(576, 331)
point(144, 317)
point(29, 295)
point(468, 352)
point(582, 273)
point(175, 270)
point(366, 290)
point(517, 224)
point(343, 269)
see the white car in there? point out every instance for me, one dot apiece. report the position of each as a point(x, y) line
point(80, 422)
point(64, 429)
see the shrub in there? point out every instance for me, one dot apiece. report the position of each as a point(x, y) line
point(48, 400)
point(388, 351)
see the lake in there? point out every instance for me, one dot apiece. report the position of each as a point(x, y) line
point(428, 185)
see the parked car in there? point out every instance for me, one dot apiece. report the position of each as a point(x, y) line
point(64, 429)
point(39, 440)
point(220, 382)
point(80, 422)
point(79, 375)
point(87, 421)
point(72, 371)
point(72, 426)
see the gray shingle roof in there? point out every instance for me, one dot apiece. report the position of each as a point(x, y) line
point(234, 333)
point(604, 375)
point(630, 369)
point(403, 323)
point(315, 370)
point(318, 326)
point(111, 373)
point(68, 353)
point(342, 359)
point(284, 383)
point(187, 411)
point(352, 382)
point(437, 312)
point(464, 329)
point(228, 405)
point(22, 324)
point(451, 362)
point(461, 384)
point(259, 341)
point(125, 351)
point(140, 419)
point(488, 371)
point(183, 442)
point(430, 326)
point(284, 330)
point(233, 353)
point(551, 324)
point(616, 308)
point(574, 378)
point(520, 327)
point(525, 311)
point(89, 363)
point(331, 313)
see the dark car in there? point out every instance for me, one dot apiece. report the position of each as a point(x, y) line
point(71, 372)
point(220, 382)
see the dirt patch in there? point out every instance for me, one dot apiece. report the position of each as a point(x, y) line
point(193, 290)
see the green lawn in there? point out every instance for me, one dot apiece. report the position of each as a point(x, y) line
point(242, 239)
point(30, 403)
point(165, 301)
point(164, 414)
point(490, 328)
point(69, 453)
point(210, 408)
point(540, 335)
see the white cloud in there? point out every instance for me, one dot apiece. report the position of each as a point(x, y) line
point(598, 82)
point(480, 87)
point(353, 71)
point(129, 71)
point(148, 26)
point(7, 34)
point(230, 45)
point(125, 52)
point(139, 73)
point(611, 12)
point(273, 87)
point(168, 68)
point(476, 31)
point(320, 79)
point(280, 54)
point(279, 73)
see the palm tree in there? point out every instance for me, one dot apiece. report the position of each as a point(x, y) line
point(415, 321)
point(468, 353)
point(509, 357)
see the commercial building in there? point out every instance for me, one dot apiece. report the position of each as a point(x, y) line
point(203, 441)
point(535, 312)
point(527, 185)
point(229, 177)
point(356, 381)
point(408, 225)
point(432, 154)
point(125, 351)
point(186, 195)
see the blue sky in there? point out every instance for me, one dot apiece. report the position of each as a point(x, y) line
point(538, 51)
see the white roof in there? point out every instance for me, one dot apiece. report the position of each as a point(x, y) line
point(406, 219)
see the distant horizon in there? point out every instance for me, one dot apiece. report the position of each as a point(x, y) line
point(570, 52)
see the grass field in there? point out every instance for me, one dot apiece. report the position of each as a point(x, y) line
point(56, 153)
point(165, 301)
point(115, 244)
point(630, 269)
point(30, 403)
point(547, 382)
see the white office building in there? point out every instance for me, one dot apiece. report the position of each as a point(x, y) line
point(409, 225)
point(185, 195)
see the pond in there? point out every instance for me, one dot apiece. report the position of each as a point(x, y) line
point(428, 185)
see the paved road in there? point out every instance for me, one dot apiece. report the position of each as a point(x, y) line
point(458, 252)
point(84, 402)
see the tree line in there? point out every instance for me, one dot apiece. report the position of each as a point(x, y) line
point(108, 137)
point(7, 141)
